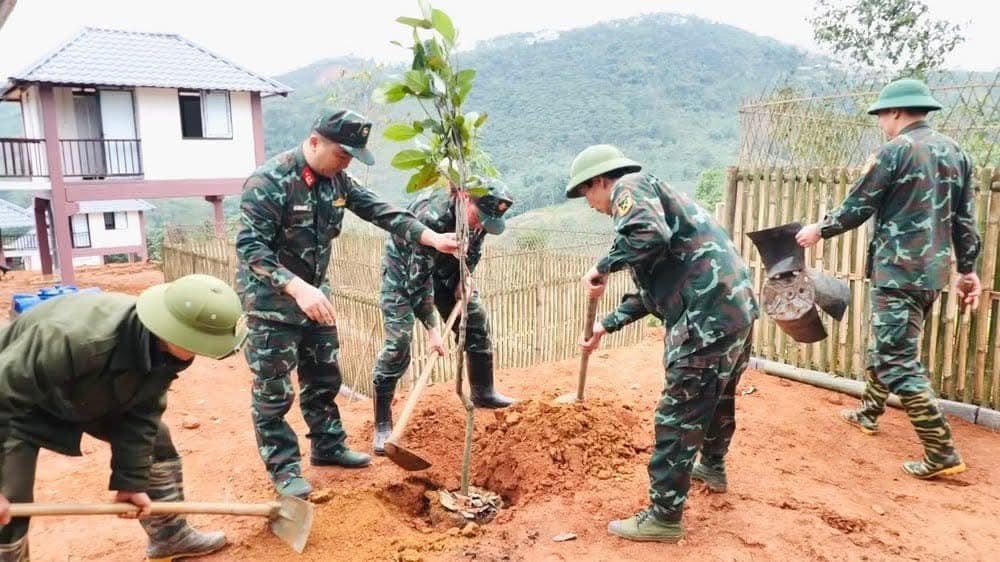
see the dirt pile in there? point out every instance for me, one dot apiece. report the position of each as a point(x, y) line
point(538, 448)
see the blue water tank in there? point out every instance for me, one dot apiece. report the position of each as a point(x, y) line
point(21, 302)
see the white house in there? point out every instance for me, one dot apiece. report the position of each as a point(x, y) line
point(101, 228)
point(117, 115)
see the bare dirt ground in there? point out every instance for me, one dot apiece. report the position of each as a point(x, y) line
point(803, 485)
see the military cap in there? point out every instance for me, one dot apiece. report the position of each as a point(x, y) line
point(347, 128)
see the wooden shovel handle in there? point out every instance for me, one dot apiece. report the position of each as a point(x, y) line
point(158, 508)
point(588, 332)
point(418, 387)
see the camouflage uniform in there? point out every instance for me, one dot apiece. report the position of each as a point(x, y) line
point(919, 187)
point(290, 216)
point(691, 277)
point(416, 280)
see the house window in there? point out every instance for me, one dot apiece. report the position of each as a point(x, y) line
point(205, 115)
point(115, 221)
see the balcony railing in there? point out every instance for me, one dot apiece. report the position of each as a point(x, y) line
point(81, 239)
point(82, 158)
point(19, 242)
point(22, 158)
point(101, 157)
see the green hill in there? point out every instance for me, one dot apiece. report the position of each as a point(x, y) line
point(665, 88)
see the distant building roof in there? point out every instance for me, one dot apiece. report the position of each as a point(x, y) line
point(116, 205)
point(14, 217)
point(108, 57)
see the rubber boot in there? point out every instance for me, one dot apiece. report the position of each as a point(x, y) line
point(16, 551)
point(383, 416)
point(170, 536)
point(865, 418)
point(940, 457)
point(481, 383)
point(714, 476)
point(646, 526)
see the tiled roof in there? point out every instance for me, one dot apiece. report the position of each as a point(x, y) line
point(14, 217)
point(107, 57)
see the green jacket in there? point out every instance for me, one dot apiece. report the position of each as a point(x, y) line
point(83, 361)
point(289, 218)
point(919, 188)
point(687, 270)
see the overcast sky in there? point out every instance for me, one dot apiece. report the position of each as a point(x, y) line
point(278, 36)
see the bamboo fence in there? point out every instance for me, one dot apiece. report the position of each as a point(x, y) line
point(533, 299)
point(960, 349)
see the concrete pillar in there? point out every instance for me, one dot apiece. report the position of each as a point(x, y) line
point(60, 208)
point(220, 217)
point(42, 234)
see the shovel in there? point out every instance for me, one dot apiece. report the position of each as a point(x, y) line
point(291, 517)
point(588, 332)
point(405, 458)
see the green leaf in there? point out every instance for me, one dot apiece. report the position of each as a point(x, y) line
point(415, 22)
point(398, 44)
point(478, 191)
point(390, 92)
point(437, 85)
point(425, 177)
point(482, 119)
point(463, 81)
point(409, 159)
point(442, 23)
point(399, 132)
point(417, 81)
point(419, 54)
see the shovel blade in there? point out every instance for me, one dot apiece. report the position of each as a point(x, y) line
point(293, 522)
point(568, 398)
point(404, 458)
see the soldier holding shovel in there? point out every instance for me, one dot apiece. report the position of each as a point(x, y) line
point(689, 275)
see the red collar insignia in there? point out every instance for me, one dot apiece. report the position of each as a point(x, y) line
point(308, 176)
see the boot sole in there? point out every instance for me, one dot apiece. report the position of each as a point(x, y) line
point(646, 539)
point(331, 463)
point(188, 554)
point(859, 427)
point(949, 471)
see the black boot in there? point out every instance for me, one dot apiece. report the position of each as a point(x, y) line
point(481, 382)
point(383, 416)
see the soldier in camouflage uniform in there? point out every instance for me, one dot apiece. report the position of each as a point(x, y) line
point(690, 276)
point(919, 187)
point(102, 365)
point(416, 280)
point(292, 208)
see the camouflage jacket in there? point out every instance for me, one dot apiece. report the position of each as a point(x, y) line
point(414, 270)
point(688, 272)
point(919, 187)
point(80, 361)
point(290, 216)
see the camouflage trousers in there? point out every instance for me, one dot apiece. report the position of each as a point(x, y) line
point(697, 411)
point(398, 321)
point(894, 366)
point(19, 459)
point(273, 350)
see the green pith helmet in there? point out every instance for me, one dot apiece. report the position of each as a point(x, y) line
point(198, 313)
point(906, 93)
point(492, 205)
point(594, 161)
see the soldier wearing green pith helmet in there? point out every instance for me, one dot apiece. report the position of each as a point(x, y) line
point(688, 274)
point(102, 364)
point(919, 188)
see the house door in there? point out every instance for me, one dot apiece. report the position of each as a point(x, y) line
point(86, 154)
point(121, 149)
